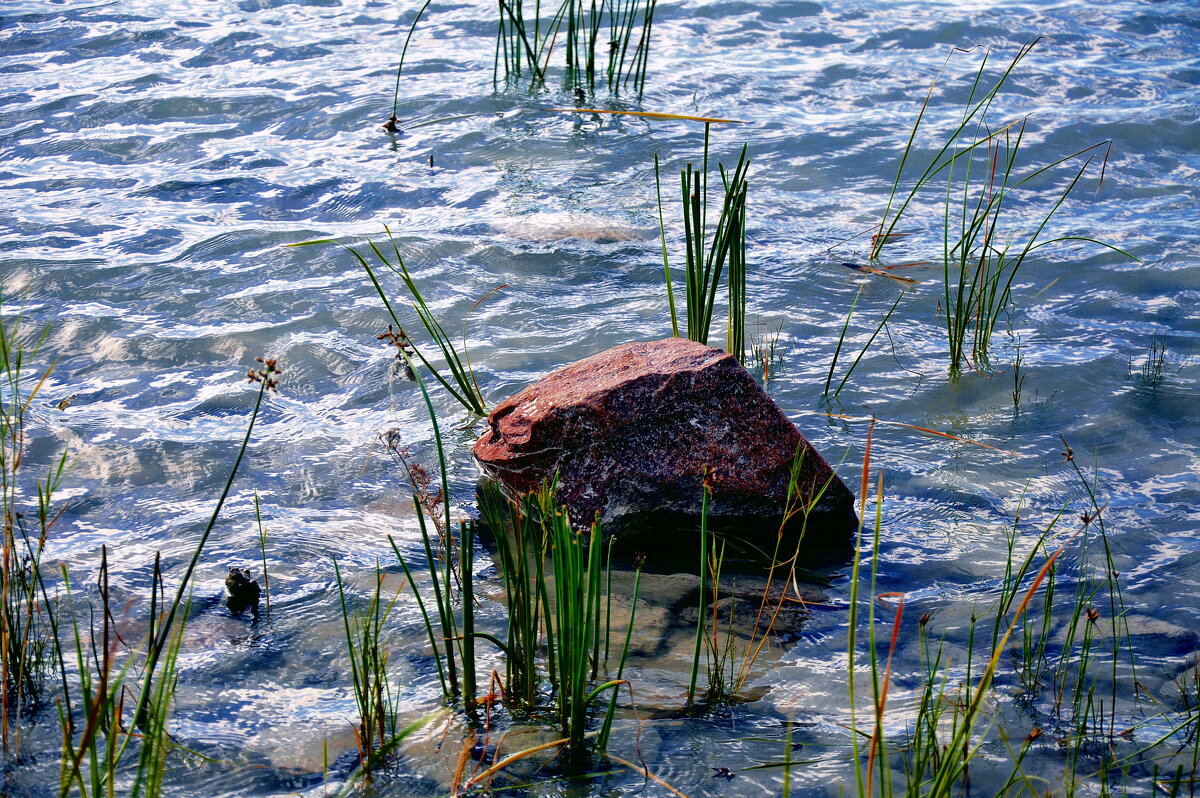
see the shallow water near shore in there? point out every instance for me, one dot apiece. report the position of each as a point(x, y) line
point(156, 158)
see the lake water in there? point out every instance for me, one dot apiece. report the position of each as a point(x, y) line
point(157, 155)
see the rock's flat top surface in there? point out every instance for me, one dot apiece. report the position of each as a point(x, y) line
point(631, 430)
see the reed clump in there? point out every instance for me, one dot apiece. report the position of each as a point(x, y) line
point(729, 652)
point(557, 640)
point(708, 258)
point(605, 43)
point(988, 231)
point(26, 628)
point(460, 382)
point(115, 698)
point(1152, 370)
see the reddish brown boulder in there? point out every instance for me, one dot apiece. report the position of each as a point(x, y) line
point(631, 430)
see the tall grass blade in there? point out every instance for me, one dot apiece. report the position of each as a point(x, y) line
point(392, 125)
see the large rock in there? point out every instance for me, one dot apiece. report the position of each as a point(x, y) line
point(631, 430)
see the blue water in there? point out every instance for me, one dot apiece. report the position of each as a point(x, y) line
point(157, 156)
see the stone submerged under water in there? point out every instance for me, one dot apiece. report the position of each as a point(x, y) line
point(631, 431)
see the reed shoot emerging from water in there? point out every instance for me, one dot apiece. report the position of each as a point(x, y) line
point(603, 44)
point(705, 258)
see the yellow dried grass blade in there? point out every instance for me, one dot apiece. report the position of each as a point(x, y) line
point(923, 429)
point(649, 115)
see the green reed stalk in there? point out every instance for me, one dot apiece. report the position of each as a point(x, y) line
point(735, 340)
point(976, 109)
point(578, 567)
point(841, 339)
point(442, 600)
point(572, 610)
point(953, 768)
point(980, 261)
point(369, 659)
point(606, 728)
point(514, 42)
point(161, 632)
point(1120, 635)
point(466, 565)
point(883, 322)
point(878, 749)
point(447, 694)
point(705, 260)
point(262, 548)
point(521, 555)
point(156, 740)
point(701, 607)
point(461, 384)
point(392, 123)
point(662, 234)
point(720, 657)
point(523, 43)
point(1014, 578)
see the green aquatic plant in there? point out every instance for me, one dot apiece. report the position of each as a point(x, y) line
point(842, 340)
point(393, 123)
point(558, 604)
point(984, 190)
point(95, 744)
point(1151, 372)
point(367, 646)
point(262, 549)
point(768, 350)
point(521, 554)
point(729, 653)
point(448, 655)
point(578, 628)
point(702, 605)
point(95, 740)
point(524, 42)
point(25, 624)
point(267, 379)
point(1057, 649)
point(705, 258)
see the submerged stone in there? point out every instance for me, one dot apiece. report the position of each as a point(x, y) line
point(630, 433)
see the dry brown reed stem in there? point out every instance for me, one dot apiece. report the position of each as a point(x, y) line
point(853, 619)
point(643, 771)
point(887, 678)
point(514, 758)
point(461, 764)
point(754, 647)
point(927, 430)
point(866, 477)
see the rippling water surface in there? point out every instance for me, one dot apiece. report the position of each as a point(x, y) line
point(157, 155)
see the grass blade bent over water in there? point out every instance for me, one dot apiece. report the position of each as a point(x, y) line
point(461, 383)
